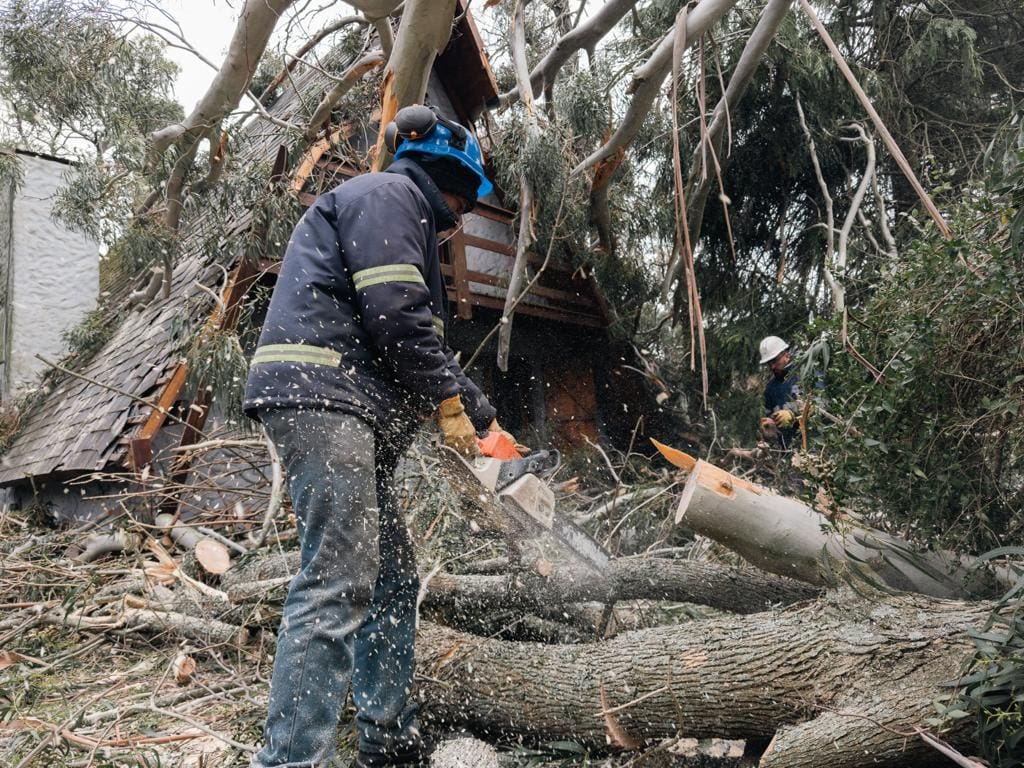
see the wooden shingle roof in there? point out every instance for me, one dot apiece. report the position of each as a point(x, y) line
point(84, 423)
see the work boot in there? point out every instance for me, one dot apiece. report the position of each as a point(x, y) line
point(406, 755)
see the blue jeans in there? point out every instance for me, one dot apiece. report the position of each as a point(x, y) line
point(350, 614)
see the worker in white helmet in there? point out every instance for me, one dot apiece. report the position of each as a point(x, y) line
point(782, 396)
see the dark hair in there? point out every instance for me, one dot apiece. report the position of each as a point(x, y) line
point(450, 176)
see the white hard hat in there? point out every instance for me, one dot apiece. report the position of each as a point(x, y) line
point(772, 347)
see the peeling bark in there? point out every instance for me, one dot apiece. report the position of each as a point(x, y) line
point(525, 237)
point(423, 33)
point(698, 184)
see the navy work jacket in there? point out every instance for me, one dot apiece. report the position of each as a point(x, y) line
point(356, 320)
point(783, 392)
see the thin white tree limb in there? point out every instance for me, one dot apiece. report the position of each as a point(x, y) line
point(855, 204)
point(648, 78)
point(525, 236)
point(698, 188)
point(830, 222)
point(583, 36)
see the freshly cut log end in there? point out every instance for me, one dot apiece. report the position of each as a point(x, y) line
point(783, 535)
point(213, 556)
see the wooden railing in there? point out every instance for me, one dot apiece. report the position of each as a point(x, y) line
point(568, 296)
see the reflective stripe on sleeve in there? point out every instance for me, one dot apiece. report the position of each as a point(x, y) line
point(390, 273)
point(439, 326)
point(296, 353)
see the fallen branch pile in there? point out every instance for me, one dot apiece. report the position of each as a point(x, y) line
point(663, 646)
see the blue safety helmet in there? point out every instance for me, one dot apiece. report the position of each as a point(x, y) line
point(421, 130)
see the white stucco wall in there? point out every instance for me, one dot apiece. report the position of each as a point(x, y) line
point(53, 276)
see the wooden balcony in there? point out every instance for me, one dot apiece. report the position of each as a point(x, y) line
point(558, 293)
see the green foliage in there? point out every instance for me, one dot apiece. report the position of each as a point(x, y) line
point(941, 449)
point(74, 81)
point(68, 68)
point(10, 168)
point(216, 361)
point(90, 335)
point(138, 247)
point(546, 160)
point(991, 689)
point(582, 103)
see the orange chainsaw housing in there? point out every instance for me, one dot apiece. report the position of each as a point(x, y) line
point(497, 445)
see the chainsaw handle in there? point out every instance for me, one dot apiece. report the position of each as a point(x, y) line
point(498, 445)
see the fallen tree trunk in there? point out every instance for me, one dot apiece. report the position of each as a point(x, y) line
point(835, 684)
point(784, 536)
point(629, 578)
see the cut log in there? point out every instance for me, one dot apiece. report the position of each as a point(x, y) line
point(210, 554)
point(784, 536)
point(633, 578)
point(629, 578)
point(260, 567)
point(826, 673)
point(202, 631)
point(100, 544)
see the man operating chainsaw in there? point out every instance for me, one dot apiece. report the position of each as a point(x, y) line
point(351, 357)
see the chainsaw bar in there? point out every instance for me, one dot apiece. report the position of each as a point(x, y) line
point(524, 506)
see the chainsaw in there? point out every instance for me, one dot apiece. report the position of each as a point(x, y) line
point(507, 489)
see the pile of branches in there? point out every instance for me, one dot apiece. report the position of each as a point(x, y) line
point(147, 637)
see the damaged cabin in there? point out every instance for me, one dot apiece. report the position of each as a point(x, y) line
point(130, 412)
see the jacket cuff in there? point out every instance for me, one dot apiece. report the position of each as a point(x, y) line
point(480, 412)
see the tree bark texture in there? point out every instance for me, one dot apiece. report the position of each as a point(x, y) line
point(738, 590)
point(838, 683)
point(423, 33)
point(630, 578)
point(784, 536)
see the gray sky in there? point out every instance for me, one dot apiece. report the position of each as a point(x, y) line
point(207, 25)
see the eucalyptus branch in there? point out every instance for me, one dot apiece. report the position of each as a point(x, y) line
point(348, 78)
point(698, 188)
point(583, 36)
point(855, 203)
point(830, 223)
point(306, 47)
point(526, 235)
point(647, 81)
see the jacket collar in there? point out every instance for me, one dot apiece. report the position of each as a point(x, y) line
point(444, 218)
point(785, 372)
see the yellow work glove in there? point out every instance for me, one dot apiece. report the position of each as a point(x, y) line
point(496, 427)
point(784, 417)
point(456, 427)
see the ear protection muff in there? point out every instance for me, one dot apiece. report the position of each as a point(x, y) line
point(413, 122)
point(417, 122)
